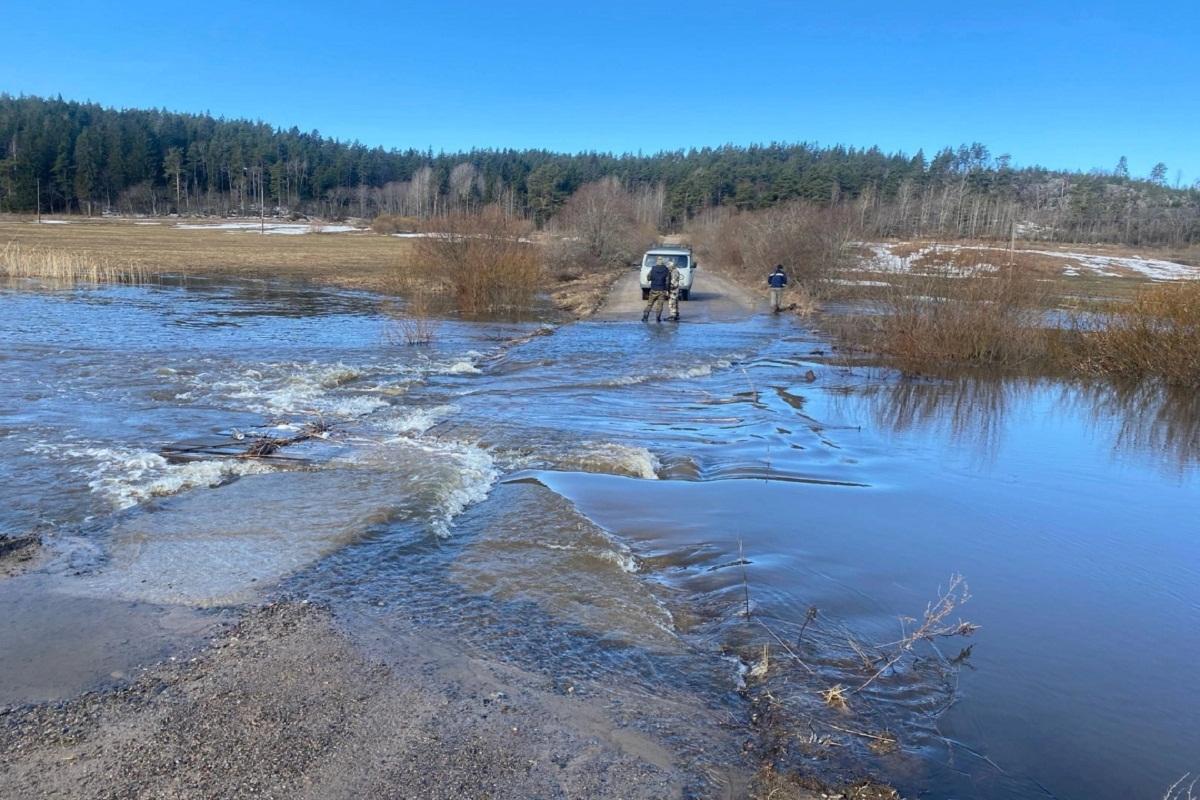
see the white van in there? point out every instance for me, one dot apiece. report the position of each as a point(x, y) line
point(681, 256)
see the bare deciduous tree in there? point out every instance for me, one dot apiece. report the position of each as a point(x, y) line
point(602, 219)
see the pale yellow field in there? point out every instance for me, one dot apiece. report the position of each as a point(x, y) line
point(364, 260)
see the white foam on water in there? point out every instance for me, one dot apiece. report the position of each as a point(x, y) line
point(695, 371)
point(416, 420)
point(294, 388)
point(615, 459)
point(476, 475)
point(448, 476)
point(127, 477)
point(461, 368)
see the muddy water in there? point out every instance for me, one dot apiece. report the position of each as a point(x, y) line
point(599, 502)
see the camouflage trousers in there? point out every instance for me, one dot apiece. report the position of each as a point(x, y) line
point(658, 297)
point(673, 303)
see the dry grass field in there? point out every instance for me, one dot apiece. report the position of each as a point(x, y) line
point(359, 260)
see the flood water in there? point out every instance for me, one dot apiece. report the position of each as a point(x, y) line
point(600, 501)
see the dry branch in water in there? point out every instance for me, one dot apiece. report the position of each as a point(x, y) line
point(258, 447)
point(835, 697)
point(932, 625)
point(1178, 791)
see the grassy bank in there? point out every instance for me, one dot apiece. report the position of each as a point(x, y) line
point(469, 263)
point(359, 260)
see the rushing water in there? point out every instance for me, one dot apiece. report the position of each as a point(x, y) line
point(600, 501)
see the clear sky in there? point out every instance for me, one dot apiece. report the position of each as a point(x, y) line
point(1060, 83)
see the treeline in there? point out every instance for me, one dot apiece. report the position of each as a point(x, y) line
point(83, 158)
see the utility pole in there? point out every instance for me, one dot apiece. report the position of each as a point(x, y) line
point(39, 199)
point(1012, 243)
point(262, 206)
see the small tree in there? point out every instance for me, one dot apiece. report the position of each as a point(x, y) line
point(602, 218)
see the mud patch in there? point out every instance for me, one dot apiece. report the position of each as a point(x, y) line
point(18, 554)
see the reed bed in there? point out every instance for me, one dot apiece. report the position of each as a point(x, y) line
point(66, 266)
point(1157, 334)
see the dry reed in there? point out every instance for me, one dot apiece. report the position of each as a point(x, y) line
point(64, 266)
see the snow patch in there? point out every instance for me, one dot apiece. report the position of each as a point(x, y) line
point(284, 228)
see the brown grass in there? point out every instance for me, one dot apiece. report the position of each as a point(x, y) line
point(1157, 334)
point(483, 262)
point(925, 322)
point(64, 266)
point(345, 259)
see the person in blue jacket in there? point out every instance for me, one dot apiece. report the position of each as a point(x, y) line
point(777, 280)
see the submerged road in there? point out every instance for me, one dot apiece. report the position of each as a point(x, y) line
point(713, 299)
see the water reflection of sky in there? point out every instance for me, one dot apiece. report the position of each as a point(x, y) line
point(1072, 509)
point(1142, 423)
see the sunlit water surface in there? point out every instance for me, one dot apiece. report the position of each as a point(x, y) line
point(580, 500)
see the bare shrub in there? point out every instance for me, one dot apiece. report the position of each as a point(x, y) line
point(600, 225)
point(481, 261)
point(803, 301)
point(386, 224)
point(414, 323)
point(813, 242)
point(1157, 334)
point(936, 320)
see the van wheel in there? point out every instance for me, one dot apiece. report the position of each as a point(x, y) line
point(683, 295)
point(645, 294)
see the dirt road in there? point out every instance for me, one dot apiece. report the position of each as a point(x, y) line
point(713, 299)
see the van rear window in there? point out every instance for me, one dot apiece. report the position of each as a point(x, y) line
point(680, 262)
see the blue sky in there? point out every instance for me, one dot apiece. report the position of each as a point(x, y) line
point(1060, 83)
